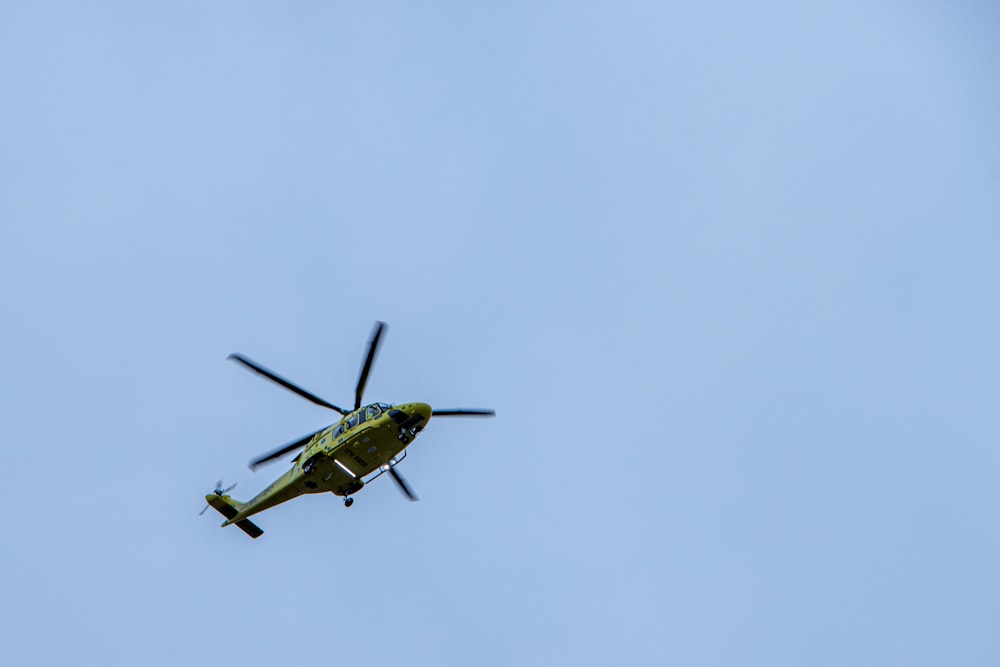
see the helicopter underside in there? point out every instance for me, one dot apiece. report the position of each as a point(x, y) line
point(342, 466)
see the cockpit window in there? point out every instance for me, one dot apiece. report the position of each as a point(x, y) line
point(373, 411)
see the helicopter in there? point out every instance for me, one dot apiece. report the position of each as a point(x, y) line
point(341, 458)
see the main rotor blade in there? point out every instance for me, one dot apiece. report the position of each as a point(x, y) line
point(404, 487)
point(474, 412)
point(274, 377)
point(372, 347)
point(281, 451)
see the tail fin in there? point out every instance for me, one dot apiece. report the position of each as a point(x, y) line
point(228, 508)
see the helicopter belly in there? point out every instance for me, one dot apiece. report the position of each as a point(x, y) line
point(340, 467)
point(325, 472)
point(371, 450)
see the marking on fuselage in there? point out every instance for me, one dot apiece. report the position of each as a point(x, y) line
point(261, 494)
point(357, 459)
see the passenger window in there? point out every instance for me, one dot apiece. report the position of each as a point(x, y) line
point(353, 421)
point(339, 431)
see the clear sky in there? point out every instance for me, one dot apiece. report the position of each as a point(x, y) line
point(727, 272)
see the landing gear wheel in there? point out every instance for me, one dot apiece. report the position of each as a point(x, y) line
point(348, 501)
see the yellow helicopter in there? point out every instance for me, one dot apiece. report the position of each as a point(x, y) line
point(341, 458)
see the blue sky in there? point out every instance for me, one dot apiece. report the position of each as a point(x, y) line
point(726, 271)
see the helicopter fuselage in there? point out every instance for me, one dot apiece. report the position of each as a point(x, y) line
point(341, 458)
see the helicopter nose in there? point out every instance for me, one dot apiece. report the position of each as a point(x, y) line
point(423, 409)
point(412, 418)
point(410, 415)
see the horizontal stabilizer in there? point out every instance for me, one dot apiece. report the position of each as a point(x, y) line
point(250, 528)
point(224, 505)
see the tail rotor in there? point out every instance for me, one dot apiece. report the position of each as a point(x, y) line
point(219, 491)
